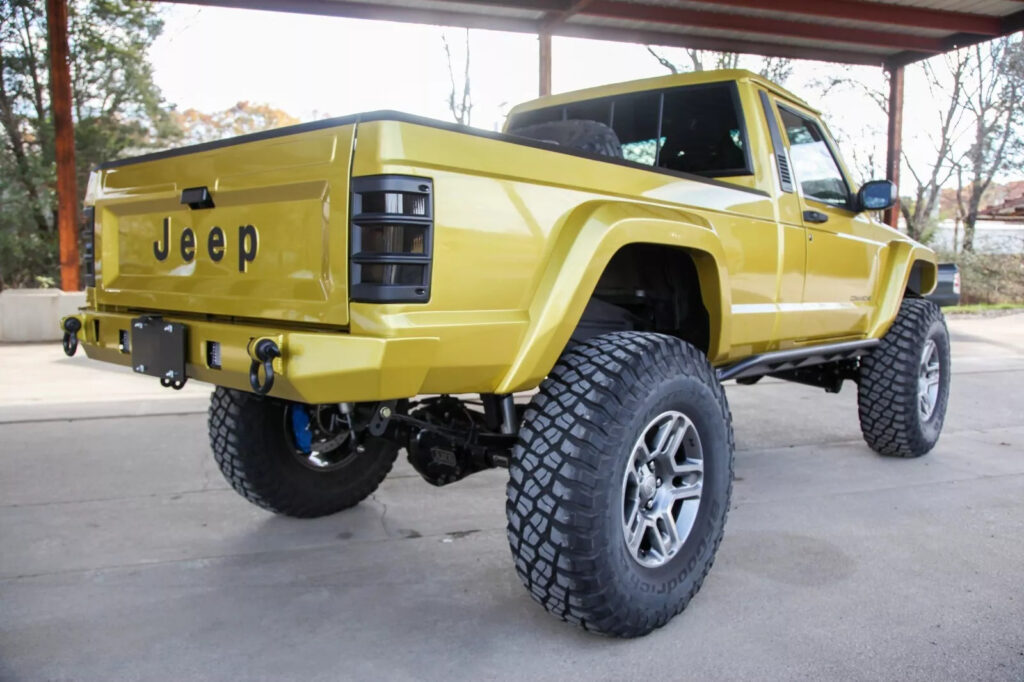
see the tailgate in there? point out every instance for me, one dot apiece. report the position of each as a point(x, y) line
point(268, 239)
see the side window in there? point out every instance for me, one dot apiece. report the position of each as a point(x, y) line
point(813, 164)
point(635, 121)
point(703, 134)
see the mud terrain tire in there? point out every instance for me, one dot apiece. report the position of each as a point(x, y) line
point(893, 377)
point(251, 445)
point(569, 489)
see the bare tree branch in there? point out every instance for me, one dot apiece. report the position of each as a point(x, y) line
point(662, 60)
point(461, 110)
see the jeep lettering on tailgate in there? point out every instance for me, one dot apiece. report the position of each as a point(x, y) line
point(248, 244)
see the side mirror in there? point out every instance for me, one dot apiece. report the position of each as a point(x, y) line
point(876, 195)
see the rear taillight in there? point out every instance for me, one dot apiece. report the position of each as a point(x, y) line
point(391, 239)
point(88, 245)
point(956, 282)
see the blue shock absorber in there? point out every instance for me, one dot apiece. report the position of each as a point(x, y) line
point(300, 427)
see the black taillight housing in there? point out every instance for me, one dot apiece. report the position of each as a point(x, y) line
point(391, 239)
point(89, 245)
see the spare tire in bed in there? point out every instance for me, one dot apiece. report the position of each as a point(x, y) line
point(584, 136)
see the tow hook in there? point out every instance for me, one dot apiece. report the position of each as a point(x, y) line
point(72, 325)
point(264, 351)
point(176, 384)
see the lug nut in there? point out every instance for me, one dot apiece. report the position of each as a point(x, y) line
point(650, 503)
point(658, 483)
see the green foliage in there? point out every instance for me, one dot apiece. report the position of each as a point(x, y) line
point(24, 255)
point(117, 108)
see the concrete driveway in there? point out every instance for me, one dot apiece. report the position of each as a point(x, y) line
point(124, 556)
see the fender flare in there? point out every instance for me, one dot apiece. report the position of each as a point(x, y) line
point(898, 263)
point(586, 242)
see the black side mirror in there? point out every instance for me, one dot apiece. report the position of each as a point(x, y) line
point(876, 195)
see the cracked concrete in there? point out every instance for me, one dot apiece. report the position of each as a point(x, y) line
point(118, 563)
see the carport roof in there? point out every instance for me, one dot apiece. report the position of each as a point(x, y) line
point(877, 32)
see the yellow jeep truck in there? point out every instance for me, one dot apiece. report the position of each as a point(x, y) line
point(349, 285)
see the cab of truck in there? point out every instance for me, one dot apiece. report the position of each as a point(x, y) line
point(738, 128)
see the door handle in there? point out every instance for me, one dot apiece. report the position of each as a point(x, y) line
point(815, 217)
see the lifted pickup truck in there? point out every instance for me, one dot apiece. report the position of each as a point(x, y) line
point(622, 250)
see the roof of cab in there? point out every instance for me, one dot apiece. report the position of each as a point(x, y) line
point(659, 83)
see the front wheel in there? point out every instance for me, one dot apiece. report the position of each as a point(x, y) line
point(620, 483)
point(904, 383)
point(294, 459)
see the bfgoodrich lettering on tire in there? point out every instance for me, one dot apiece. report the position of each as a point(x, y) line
point(904, 383)
point(619, 486)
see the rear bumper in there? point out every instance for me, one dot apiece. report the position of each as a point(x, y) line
point(314, 367)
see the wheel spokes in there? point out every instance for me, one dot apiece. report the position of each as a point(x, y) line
point(662, 488)
point(641, 456)
point(688, 466)
point(637, 530)
point(665, 540)
point(671, 436)
point(686, 491)
point(929, 377)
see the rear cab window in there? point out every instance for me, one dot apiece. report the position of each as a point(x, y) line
point(694, 129)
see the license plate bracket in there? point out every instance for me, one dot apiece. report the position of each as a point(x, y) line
point(158, 348)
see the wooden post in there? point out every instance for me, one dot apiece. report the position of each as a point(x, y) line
point(64, 143)
point(893, 155)
point(545, 63)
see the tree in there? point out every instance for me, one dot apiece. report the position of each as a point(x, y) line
point(860, 140)
point(116, 106)
point(977, 129)
point(946, 86)
point(945, 77)
point(243, 118)
point(995, 105)
point(777, 69)
point(930, 173)
point(461, 106)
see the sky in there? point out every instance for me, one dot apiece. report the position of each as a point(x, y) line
point(210, 58)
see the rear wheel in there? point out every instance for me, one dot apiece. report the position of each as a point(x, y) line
point(620, 483)
point(294, 459)
point(904, 383)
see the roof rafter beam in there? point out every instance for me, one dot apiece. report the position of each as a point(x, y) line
point(559, 16)
point(365, 10)
point(672, 16)
point(894, 15)
point(673, 39)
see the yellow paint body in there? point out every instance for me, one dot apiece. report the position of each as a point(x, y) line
point(521, 236)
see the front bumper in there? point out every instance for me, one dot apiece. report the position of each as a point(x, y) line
point(314, 367)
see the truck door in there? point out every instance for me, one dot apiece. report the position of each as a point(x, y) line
point(842, 246)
